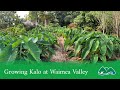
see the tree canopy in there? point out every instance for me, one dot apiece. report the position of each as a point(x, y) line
point(8, 18)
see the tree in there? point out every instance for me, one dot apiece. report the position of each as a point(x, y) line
point(104, 19)
point(86, 20)
point(41, 16)
point(45, 17)
point(8, 18)
point(65, 17)
point(116, 22)
point(33, 16)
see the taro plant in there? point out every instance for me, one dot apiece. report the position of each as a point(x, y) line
point(94, 46)
point(70, 37)
point(46, 43)
point(30, 48)
point(24, 48)
point(39, 43)
point(44, 40)
point(116, 46)
point(7, 54)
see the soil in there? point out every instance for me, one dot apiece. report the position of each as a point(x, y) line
point(60, 54)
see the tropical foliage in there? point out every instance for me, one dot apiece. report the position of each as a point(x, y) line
point(89, 35)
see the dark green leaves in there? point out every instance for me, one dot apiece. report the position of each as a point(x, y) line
point(103, 58)
point(94, 58)
point(78, 49)
point(34, 50)
point(5, 53)
point(103, 48)
point(8, 55)
point(110, 49)
point(13, 56)
point(86, 50)
point(95, 45)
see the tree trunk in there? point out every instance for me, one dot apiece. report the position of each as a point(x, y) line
point(116, 18)
point(103, 22)
point(118, 32)
point(45, 22)
point(117, 28)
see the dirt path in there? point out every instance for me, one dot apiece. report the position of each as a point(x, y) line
point(60, 54)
